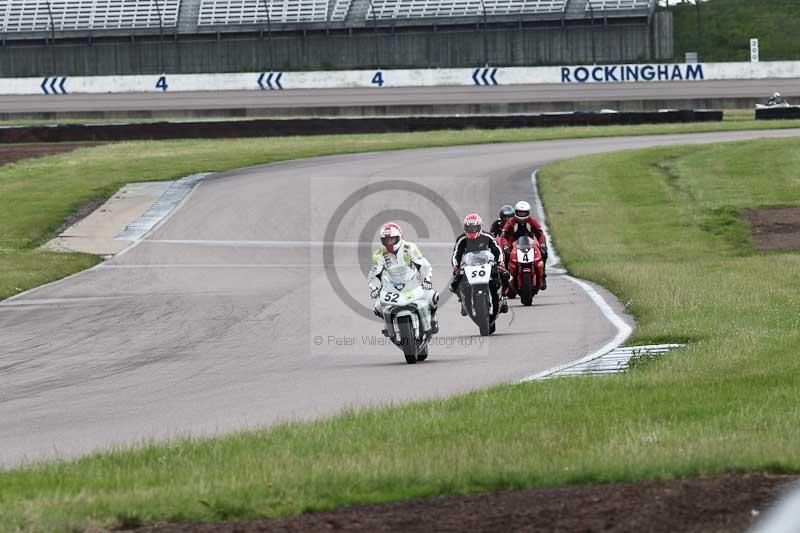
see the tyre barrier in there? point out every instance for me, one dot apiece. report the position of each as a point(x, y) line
point(778, 113)
point(329, 126)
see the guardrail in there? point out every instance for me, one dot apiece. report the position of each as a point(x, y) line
point(322, 126)
point(55, 84)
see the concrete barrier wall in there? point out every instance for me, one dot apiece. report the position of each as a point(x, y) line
point(401, 78)
point(554, 44)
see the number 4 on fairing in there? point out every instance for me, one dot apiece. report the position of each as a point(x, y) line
point(377, 79)
point(162, 84)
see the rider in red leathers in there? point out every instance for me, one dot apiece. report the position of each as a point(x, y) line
point(523, 224)
point(533, 255)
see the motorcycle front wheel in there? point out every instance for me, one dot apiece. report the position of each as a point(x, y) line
point(408, 339)
point(482, 316)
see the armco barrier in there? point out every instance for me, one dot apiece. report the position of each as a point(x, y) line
point(321, 126)
point(189, 111)
point(778, 113)
point(56, 86)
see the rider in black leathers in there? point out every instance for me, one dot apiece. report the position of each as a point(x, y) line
point(506, 212)
point(474, 239)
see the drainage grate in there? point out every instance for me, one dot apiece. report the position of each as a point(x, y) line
point(613, 362)
point(166, 203)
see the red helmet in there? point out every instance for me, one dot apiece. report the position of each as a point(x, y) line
point(473, 225)
point(391, 237)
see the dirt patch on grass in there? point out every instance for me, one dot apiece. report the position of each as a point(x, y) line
point(17, 152)
point(729, 504)
point(775, 228)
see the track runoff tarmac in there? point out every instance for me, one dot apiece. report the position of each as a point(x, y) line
point(399, 96)
point(225, 317)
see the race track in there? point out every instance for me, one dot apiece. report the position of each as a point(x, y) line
point(209, 325)
point(402, 96)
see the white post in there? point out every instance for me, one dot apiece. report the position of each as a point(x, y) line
point(754, 50)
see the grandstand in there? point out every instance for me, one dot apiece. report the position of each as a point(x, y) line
point(228, 12)
point(69, 15)
point(619, 5)
point(34, 18)
point(420, 9)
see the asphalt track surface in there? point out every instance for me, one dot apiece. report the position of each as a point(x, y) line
point(209, 324)
point(413, 96)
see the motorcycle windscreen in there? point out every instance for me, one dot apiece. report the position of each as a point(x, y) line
point(477, 258)
point(525, 243)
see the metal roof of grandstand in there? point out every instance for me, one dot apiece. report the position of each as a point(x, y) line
point(397, 9)
point(65, 15)
point(224, 12)
point(109, 17)
point(614, 5)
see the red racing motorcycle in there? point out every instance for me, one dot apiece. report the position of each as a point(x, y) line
point(527, 269)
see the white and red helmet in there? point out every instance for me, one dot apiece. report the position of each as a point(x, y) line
point(522, 210)
point(391, 237)
point(473, 224)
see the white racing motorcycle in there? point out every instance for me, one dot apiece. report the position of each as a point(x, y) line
point(406, 310)
point(478, 269)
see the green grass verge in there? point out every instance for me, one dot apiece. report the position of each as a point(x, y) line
point(728, 26)
point(658, 227)
point(23, 269)
point(36, 196)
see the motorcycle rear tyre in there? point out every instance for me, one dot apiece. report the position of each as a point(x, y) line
point(526, 291)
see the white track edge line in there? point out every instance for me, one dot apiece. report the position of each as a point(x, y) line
point(38, 287)
point(553, 257)
point(624, 330)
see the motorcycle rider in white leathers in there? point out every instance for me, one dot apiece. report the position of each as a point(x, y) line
point(396, 250)
point(776, 99)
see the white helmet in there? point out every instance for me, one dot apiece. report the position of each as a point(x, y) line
point(391, 237)
point(776, 95)
point(522, 210)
